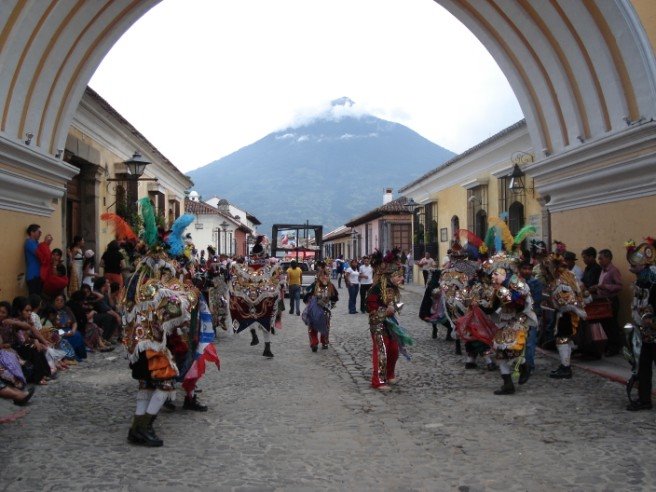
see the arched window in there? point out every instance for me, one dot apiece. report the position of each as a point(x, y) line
point(515, 217)
point(480, 225)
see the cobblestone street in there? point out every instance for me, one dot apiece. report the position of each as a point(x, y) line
point(310, 421)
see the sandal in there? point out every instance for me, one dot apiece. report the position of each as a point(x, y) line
point(43, 382)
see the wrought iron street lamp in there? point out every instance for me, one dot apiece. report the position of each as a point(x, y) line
point(517, 184)
point(136, 164)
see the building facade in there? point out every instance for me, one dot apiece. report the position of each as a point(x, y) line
point(383, 228)
point(213, 227)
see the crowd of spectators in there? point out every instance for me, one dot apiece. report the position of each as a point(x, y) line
point(70, 311)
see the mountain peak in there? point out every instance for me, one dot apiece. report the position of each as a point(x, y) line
point(342, 101)
point(324, 161)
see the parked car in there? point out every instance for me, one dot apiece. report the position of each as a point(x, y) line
point(306, 278)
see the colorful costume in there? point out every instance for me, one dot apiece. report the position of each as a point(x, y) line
point(470, 297)
point(320, 298)
point(254, 292)
point(218, 295)
point(433, 306)
point(155, 305)
point(641, 335)
point(513, 314)
point(564, 297)
point(388, 338)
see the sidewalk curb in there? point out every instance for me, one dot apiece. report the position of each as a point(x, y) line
point(593, 370)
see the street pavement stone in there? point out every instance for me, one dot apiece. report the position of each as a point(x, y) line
point(308, 421)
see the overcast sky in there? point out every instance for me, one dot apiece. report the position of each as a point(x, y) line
point(203, 78)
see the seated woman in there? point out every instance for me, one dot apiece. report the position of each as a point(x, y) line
point(12, 380)
point(11, 370)
point(54, 356)
point(66, 323)
point(84, 314)
point(25, 339)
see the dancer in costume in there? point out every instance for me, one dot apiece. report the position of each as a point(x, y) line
point(254, 290)
point(563, 296)
point(433, 306)
point(192, 347)
point(383, 302)
point(513, 313)
point(475, 327)
point(467, 290)
point(642, 342)
point(218, 295)
point(512, 302)
point(155, 305)
point(320, 297)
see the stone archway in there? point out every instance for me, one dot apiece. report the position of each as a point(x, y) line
point(583, 72)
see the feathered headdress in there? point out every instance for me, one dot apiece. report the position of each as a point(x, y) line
point(560, 247)
point(122, 229)
point(502, 234)
point(470, 237)
point(150, 226)
point(386, 264)
point(642, 254)
point(525, 231)
point(508, 262)
point(475, 245)
point(538, 248)
point(174, 239)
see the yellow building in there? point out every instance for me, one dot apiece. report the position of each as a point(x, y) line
point(99, 142)
point(465, 191)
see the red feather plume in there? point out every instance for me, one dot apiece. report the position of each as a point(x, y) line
point(122, 229)
point(472, 238)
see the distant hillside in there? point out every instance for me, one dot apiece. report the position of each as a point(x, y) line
point(327, 171)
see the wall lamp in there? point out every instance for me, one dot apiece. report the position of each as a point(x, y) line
point(411, 205)
point(28, 138)
point(517, 176)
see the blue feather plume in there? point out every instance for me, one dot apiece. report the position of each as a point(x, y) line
point(498, 245)
point(174, 239)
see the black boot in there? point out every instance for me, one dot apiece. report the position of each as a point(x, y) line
point(563, 372)
point(508, 387)
point(133, 434)
point(448, 338)
point(434, 330)
point(169, 405)
point(267, 350)
point(524, 373)
point(146, 433)
point(458, 347)
point(192, 403)
point(254, 339)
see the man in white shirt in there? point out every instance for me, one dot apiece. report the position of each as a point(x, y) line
point(366, 279)
point(409, 267)
point(427, 264)
point(351, 278)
